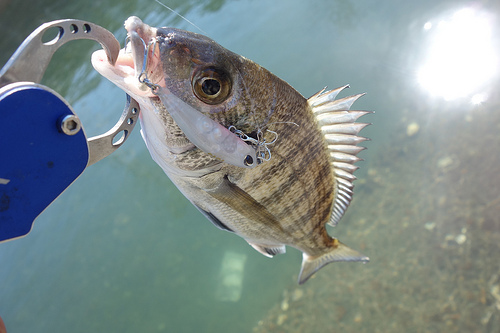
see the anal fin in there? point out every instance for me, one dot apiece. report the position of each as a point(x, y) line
point(269, 251)
point(311, 265)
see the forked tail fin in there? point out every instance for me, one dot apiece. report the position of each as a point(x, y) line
point(310, 264)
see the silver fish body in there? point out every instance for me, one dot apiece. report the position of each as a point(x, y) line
point(250, 152)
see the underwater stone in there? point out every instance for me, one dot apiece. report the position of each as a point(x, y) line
point(412, 129)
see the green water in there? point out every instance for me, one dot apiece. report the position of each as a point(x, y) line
point(123, 251)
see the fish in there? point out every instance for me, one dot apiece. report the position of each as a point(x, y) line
point(253, 155)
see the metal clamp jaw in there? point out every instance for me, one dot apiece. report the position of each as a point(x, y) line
point(30, 61)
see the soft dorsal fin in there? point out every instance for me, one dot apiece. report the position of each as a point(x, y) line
point(340, 130)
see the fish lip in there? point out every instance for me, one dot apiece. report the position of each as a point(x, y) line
point(121, 74)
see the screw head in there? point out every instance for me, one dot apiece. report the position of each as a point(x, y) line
point(70, 124)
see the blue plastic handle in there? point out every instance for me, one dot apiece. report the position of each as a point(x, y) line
point(38, 161)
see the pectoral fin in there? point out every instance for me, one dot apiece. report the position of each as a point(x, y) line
point(341, 252)
point(215, 221)
point(244, 203)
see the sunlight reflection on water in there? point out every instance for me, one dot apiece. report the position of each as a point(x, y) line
point(461, 60)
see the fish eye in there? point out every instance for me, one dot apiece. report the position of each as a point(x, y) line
point(211, 86)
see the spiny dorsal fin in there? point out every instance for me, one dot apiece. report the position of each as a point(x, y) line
point(340, 130)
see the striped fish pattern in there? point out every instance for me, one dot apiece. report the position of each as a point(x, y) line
point(306, 148)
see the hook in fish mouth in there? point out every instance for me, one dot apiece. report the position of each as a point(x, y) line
point(142, 44)
point(141, 56)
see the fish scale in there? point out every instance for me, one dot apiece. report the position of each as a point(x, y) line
point(301, 149)
point(284, 198)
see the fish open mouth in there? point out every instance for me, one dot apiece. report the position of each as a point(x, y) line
point(125, 62)
point(135, 70)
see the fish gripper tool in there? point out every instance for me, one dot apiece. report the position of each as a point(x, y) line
point(43, 147)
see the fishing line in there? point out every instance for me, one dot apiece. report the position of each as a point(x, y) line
point(182, 17)
point(284, 122)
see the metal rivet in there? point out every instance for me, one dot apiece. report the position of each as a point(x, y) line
point(70, 124)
